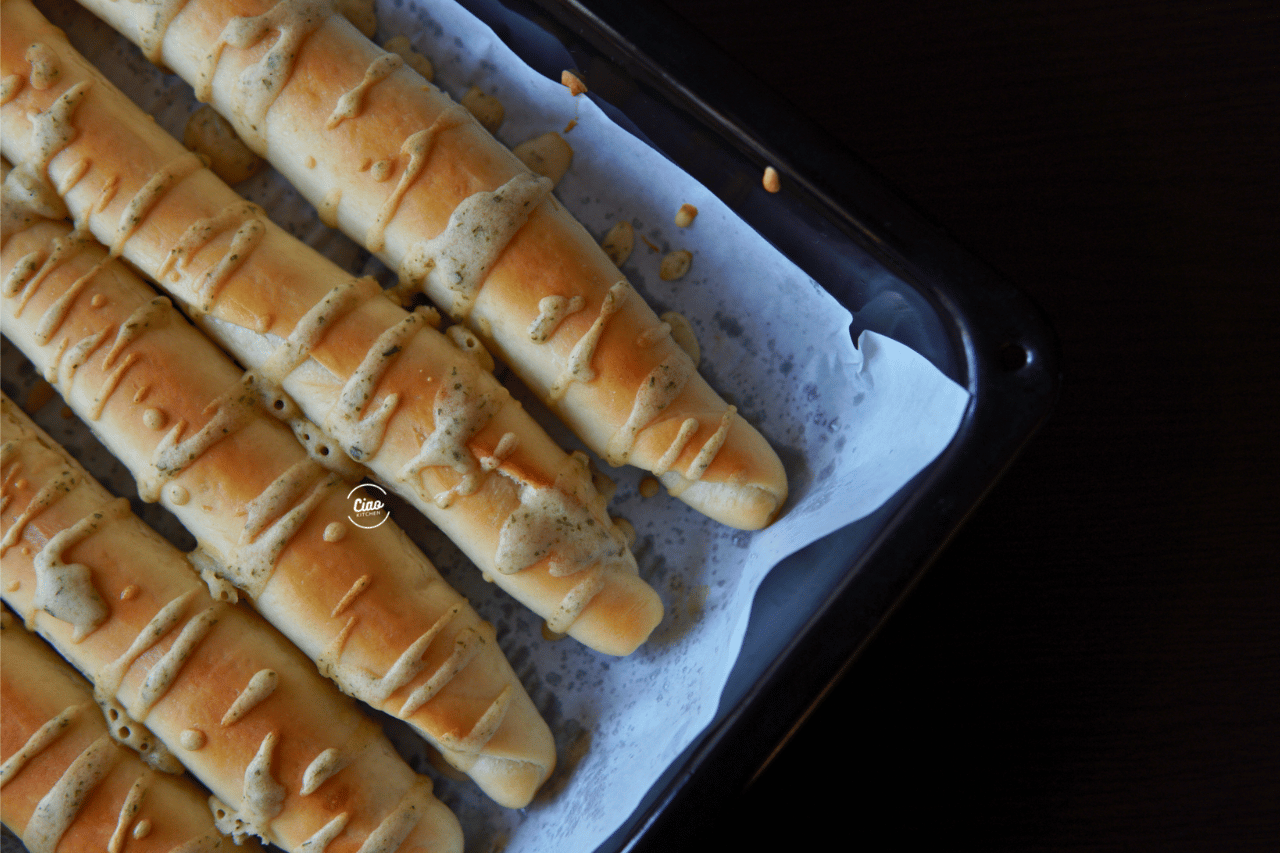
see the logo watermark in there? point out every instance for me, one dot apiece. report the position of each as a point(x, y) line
point(367, 507)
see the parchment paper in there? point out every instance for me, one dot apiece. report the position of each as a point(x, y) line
point(852, 424)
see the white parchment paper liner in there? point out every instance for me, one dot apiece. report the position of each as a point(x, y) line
point(853, 425)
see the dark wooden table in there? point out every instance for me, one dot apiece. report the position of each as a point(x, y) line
point(1093, 663)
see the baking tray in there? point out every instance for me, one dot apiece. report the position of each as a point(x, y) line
point(898, 275)
point(818, 608)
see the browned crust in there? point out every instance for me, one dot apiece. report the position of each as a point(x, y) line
point(312, 575)
point(272, 288)
point(305, 713)
point(552, 254)
point(37, 686)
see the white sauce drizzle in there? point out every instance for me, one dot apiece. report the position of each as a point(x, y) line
point(578, 367)
point(58, 809)
point(26, 267)
point(193, 739)
point(706, 455)
point(61, 250)
point(321, 769)
point(202, 231)
point(397, 825)
point(455, 262)
point(66, 591)
point(485, 727)
point(461, 409)
point(350, 103)
point(173, 454)
point(48, 495)
point(39, 740)
point(256, 561)
point(263, 683)
point(677, 446)
point(360, 585)
point(407, 666)
point(324, 836)
point(551, 313)
point(65, 362)
point(657, 390)
point(362, 437)
point(162, 676)
point(146, 198)
point(45, 68)
point(52, 130)
point(417, 148)
point(261, 83)
point(57, 312)
point(128, 811)
point(328, 661)
point(576, 601)
point(10, 86)
point(550, 524)
point(465, 648)
point(263, 795)
point(109, 385)
point(283, 493)
point(311, 328)
point(153, 27)
point(150, 315)
point(108, 681)
point(243, 242)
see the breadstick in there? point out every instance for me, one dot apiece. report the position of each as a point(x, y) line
point(287, 756)
point(55, 738)
point(396, 394)
point(365, 604)
point(459, 217)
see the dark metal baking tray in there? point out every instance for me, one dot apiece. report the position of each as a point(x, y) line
point(834, 216)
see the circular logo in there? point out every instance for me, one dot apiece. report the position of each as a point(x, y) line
point(368, 510)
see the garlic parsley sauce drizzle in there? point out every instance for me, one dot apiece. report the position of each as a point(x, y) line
point(494, 216)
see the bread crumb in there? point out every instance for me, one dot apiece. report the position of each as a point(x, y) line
point(649, 487)
point(41, 393)
point(547, 155)
point(573, 83)
point(682, 333)
point(772, 182)
point(685, 215)
point(211, 136)
point(400, 46)
point(619, 242)
point(628, 531)
point(675, 265)
point(487, 109)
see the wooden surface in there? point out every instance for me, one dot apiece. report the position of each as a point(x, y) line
point(1093, 662)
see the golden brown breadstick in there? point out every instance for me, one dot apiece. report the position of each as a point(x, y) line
point(364, 604)
point(288, 757)
point(396, 395)
point(458, 216)
point(64, 779)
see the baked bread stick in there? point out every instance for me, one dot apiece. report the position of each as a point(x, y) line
point(288, 757)
point(395, 394)
point(461, 218)
point(67, 784)
point(56, 740)
point(365, 604)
